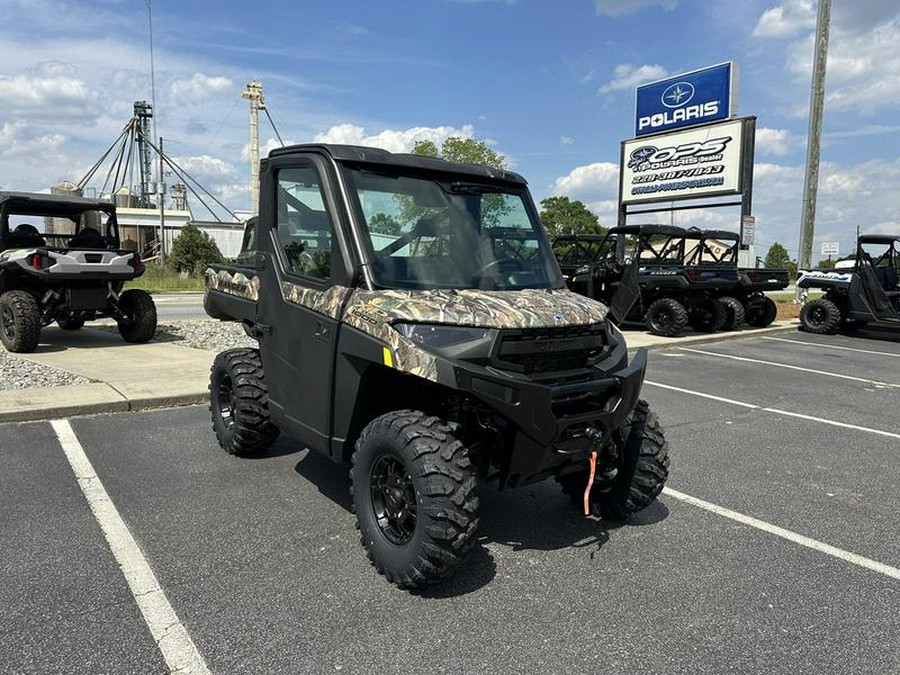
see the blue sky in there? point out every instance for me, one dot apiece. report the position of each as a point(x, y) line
point(548, 84)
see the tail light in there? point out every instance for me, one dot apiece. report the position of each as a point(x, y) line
point(752, 275)
point(136, 261)
point(692, 274)
point(40, 261)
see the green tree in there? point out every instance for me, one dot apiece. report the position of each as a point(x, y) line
point(777, 257)
point(382, 223)
point(193, 251)
point(462, 150)
point(826, 264)
point(561, 215)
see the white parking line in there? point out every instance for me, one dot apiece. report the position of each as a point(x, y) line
point(171, 637)
point(827, 346)
point(775, 411)
point(790, 367)
point(814, 544)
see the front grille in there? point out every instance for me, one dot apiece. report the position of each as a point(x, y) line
point(551, 350)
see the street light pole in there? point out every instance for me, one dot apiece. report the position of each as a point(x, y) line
point(816, 106)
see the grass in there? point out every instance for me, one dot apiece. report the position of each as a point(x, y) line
point(156, 279)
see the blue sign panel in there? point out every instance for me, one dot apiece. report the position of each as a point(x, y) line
point(684, 100)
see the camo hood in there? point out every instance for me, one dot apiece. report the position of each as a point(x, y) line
point(530, 308)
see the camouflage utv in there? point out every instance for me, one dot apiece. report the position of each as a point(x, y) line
point(411, 320)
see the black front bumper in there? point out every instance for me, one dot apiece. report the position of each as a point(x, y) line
point(546, 425)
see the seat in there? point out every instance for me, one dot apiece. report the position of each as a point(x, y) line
point(26, 236)
point(88, 237)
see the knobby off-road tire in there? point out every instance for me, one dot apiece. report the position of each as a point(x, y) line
point(20, 321)
point(413, 490)
point(239, 403)
point(70, 322)
point(708, 315)
point(666, 317)
point(821, 316)
point(761, 315)
point(641, 476)
point(140, 324)
point(734, 313)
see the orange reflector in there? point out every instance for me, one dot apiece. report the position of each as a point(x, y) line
point(590, 484)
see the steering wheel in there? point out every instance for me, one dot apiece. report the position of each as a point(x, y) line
point(497, 264)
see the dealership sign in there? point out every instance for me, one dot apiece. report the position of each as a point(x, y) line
point(701, 162)
point(697, 97)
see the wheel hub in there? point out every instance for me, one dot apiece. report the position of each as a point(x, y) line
point(9, 323)
point(393, 499)
point(226, 401)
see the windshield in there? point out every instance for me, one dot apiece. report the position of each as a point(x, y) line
point(427, 233)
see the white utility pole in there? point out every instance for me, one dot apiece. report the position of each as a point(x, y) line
point(253, 92)
point(816, 106)
point(161, 188)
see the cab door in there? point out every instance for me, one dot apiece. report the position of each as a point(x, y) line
point(303, 283)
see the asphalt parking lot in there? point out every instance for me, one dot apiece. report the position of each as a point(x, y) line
point(775, 548)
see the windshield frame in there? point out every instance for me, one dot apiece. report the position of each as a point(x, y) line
point(472, 184)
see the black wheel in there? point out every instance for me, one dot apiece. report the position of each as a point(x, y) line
point(822, 317)
point(734, 313)
point(139, 324)
point(20, 321)
point(70, 322)
point(413, 490)
point(239, 403)
point(762, 314)
point(666, 316)
point(637, 468)
point(707, 315)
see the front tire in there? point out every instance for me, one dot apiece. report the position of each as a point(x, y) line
point(641, 476)
point(139, 324)
point(239, 403)
point(734, 313)
point(20, 321)
point(708, 315)
point(413, 490)
point(666, 317)
point(762, 314)
point(821, 317)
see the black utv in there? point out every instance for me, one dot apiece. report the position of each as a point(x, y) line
point(867, 293)
point(640, 271)
point(412, 321)
point(744, 300)
point(61, 260)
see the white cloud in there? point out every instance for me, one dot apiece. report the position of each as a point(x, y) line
point(55, 98)
point(390, 139)
point(891, 227)
point(772, 141)
point(566, 140)
point(627, 76)
point(199, 88)
point(623, 7)
point(786, 20)
point(17, 142)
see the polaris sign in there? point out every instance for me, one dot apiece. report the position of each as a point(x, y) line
point(697, 97)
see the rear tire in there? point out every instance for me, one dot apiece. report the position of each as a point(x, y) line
point(413, 490)
point(239, 403)
point(762, 314)
point(641, 476)
point(666, 317)
point(140, 312)
point(821, 317)
point(20, 321)
point(708, 315)
point(70, 322)
point(734, 313)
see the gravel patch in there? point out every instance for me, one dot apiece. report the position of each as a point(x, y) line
point(214, 336)
point(18, 373)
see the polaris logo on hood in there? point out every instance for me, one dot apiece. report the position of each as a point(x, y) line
point(696, 97)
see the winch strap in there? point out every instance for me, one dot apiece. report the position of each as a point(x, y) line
point(590, 484)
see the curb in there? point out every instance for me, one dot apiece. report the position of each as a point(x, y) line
point(718, 337)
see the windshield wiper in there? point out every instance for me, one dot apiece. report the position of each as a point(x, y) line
point(461, 187)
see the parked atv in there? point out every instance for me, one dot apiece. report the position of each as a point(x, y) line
point(641, 272)
point(70, 273)
point(412, 320)
point(867, 292)
point(744, 301)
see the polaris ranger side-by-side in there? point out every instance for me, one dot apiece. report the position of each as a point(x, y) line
point(70, 273)
point(640, 271)
point(868, 292)
point(412, 320)
point(745, 300)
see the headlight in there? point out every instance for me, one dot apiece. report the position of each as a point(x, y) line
point(441, 336)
